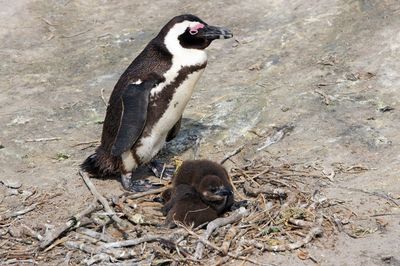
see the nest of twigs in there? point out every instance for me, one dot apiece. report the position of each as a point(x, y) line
point(278, 208)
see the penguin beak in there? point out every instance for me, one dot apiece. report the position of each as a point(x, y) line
point(212, 33)
point(224, 192)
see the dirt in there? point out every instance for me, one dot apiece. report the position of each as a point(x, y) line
point(327, 69)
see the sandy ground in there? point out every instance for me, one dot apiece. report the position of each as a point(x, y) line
point(327, 68)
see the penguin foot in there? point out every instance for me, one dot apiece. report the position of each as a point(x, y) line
point(141, 185)
point(162, 170)
point(126, 180)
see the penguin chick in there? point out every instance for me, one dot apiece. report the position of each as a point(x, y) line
point(205, 176)
point(140, 118)
point(215, 193)
point(188, 208)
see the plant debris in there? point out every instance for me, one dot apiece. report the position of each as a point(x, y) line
point(284, 210)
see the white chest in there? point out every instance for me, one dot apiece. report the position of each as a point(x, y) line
point(152, 144)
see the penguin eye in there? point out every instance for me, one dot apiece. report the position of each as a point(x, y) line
point(195, 29)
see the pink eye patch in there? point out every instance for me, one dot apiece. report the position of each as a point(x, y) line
point(195, 29)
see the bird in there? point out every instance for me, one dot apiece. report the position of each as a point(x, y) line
point(188, 208)
point(146, 105)
point(209, 183)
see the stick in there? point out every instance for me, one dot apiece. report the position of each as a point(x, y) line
point(315, 231)
point(97, 258)
point(48, 22)
point(90, 249)
point(30, 232)
point(231, 154)
point(85, 143)
point(18, 213)
point(228, 239)
point(277, 136)
point(277, 193)
point(102, 97)
point(133, 242)
point(146, 193)
point(212, 245)
point(213, 225)
point(377, 194)
point(42, 139)
point(94, 234)
point(74, 35)
point(300, 223)
point(327, 101)
point(103, 201)
point(50, 237)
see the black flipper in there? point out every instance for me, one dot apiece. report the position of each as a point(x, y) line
point(135, 100)
point(174, 131)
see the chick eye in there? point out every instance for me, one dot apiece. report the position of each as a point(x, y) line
point(213, 190)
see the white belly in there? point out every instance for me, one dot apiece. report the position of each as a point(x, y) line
point(150, 145)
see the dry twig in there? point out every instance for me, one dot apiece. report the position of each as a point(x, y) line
point(103, 201)
point(18, 213)
point(146, 193)
point(42, 139)
point(231, 154)
point(102, 97)
point(50, 237)
point(212, 245)
point(213, 225)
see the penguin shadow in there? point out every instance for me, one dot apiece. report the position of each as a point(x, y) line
point(189, 136)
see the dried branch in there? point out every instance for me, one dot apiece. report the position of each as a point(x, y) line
point(129, 195)
point(121, 223)
point(133, 242)
point(231, 154)
point(73, 221)
point(91, 249)
point(102, 97)
point(300, 223)
point(42, 139)
point(18, 213)
point(30, 232)
point(277, 193)
point(94, 234)
point(314, 231)
point(213, 225)
point(374, 193)
point(212, 245)
point(325, 97)
point(228, 239)
point(85, 143)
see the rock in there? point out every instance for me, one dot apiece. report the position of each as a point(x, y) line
point(11, 183)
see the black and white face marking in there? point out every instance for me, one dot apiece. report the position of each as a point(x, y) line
point(193, 33)
point(199, 36)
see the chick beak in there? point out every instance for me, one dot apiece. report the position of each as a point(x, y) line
point(224, 192)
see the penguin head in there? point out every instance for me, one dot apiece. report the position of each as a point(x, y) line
point(214, 193)
point(190, 32)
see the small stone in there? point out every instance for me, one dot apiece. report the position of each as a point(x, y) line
point(386, 108)
point(11, 183)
